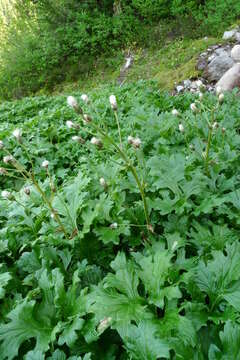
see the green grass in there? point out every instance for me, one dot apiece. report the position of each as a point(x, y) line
point(167, 64)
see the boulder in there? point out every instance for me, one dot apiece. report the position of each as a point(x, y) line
point(229, 34)
point(218, 65)
point(235, 53)
point(231, 79)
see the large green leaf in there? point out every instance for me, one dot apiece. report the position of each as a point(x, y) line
point(143, 343)
point(154, 274)
point(23, 326)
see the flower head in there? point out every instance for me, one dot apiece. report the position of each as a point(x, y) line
point(114, 226)
point(45, 164)
point(181, 128)
point(6, 195)
point(71, 125)
point(193, 108)
point(96, 142)
point(1, 144)
point(27, 190)
point(17, 133)
point(130, 139)
point(136, 142)
point(215, 125)
point(3, 171)
point(221, 98)
point(85, 98)
point(223, 130)
point(113, 102)
point(175, 112)
point(102, 182)
point(8, 158)
point(72, 102)
point(86, 118)
point(78, 139)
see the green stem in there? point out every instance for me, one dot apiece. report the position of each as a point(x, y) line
point(56, 216)
point(132, 169)
point(119, 129)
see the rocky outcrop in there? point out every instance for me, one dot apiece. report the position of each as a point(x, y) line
point(231, 79)
point(215, 62)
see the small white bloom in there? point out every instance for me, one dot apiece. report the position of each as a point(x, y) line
point(221, 98)
point(113, 102)
point(104, 324)
point(102, 182)
point(70, 124)
point(17, 133)
point(223, 130)
point(1, 144)
point(85, 98)
point(27, 190)
point(78, 139)
point(193, 108)
point(200, 96)
point(113, 226)
point(7, 159)
point(6, 194)
point(218, 90)
point(215, 125)
point(45, 164)
point(181, 128)
point(72, 101)
point(96, 142)
point(52, 215)
point(191, 146)
point(175, 112)
point(130, 139)
point(86, 118)
point(3, 171)
point(136, 142)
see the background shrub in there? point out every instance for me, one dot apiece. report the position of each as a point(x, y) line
point(46, 42)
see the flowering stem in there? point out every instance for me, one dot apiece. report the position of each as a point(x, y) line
point(56, 216)
point(132, 169)
point(119, 129)
point(210, 131)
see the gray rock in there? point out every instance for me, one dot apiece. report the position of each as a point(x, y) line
point(211, 57)
point(219, 65)
point(187, 83)
point(180, 88)
point(237, 36)
point(229, 34)
point(201, 64)
point(231, 79)
point(235, 53)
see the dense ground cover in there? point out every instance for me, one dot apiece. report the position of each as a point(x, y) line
point(108, 287)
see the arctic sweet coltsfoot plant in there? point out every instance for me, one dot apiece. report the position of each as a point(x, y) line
point(29, 177)
point(103, 292)
point(119, 148)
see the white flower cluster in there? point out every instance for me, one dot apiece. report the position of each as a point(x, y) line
point(135, 142)
point(17, 133)
point(113, 102)
point(97, 142)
